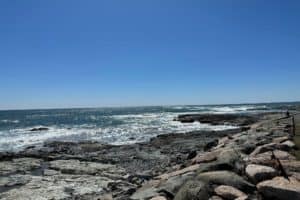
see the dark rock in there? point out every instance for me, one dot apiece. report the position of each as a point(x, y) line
point(40, 129)
point(210, 145)
point(191, 155)
point(218, 119)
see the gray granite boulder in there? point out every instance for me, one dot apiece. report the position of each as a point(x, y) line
point(193, 190)
point(226, 178)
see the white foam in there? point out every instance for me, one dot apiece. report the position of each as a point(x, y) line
point(136, 128)
point(10, 121)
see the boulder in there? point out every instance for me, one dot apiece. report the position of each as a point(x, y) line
point(179, 172)
point(193, 190)
point(228, 192)
point(281, 139)
point(173, 184)
point(266, 158)
point(291, 165)
point(258, 173)
point(227, 159)
point(270, 147)
point(280, 188)
point(215, 198)
point(226, 178)
point(159, 198)
point(289, 143)
point(145, 193)
point(206, 157)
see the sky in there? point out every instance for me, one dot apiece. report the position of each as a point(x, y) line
point(76, 53)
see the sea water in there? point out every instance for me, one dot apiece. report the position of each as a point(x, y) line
point(108, 125)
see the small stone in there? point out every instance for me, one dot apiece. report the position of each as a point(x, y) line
point(229, 192)
point(259, 173)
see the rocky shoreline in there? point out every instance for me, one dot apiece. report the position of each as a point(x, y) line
point(253, 161)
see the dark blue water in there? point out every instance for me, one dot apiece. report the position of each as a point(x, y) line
point(109, 125)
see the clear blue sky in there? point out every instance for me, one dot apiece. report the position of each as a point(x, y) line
point(71, 53)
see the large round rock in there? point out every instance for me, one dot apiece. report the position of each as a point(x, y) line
point(193, 190)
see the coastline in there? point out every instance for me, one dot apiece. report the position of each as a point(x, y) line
point(159, 169)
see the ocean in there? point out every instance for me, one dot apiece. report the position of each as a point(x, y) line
point(122, 125)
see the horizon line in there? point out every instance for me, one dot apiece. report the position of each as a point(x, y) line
point(154, 105)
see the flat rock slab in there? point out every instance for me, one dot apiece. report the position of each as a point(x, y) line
point(229, 192)
point(258, 173)
point(19, 165)
point(58, 187)
point(280, 188)
point(78, 167)
point(14, 180)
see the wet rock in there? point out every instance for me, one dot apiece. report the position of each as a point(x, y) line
point(228, 192)
point(280, 188)
point(39, 129)
point(193, 190)
point(218, 119)
point(258, 173)
point(226, 178)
